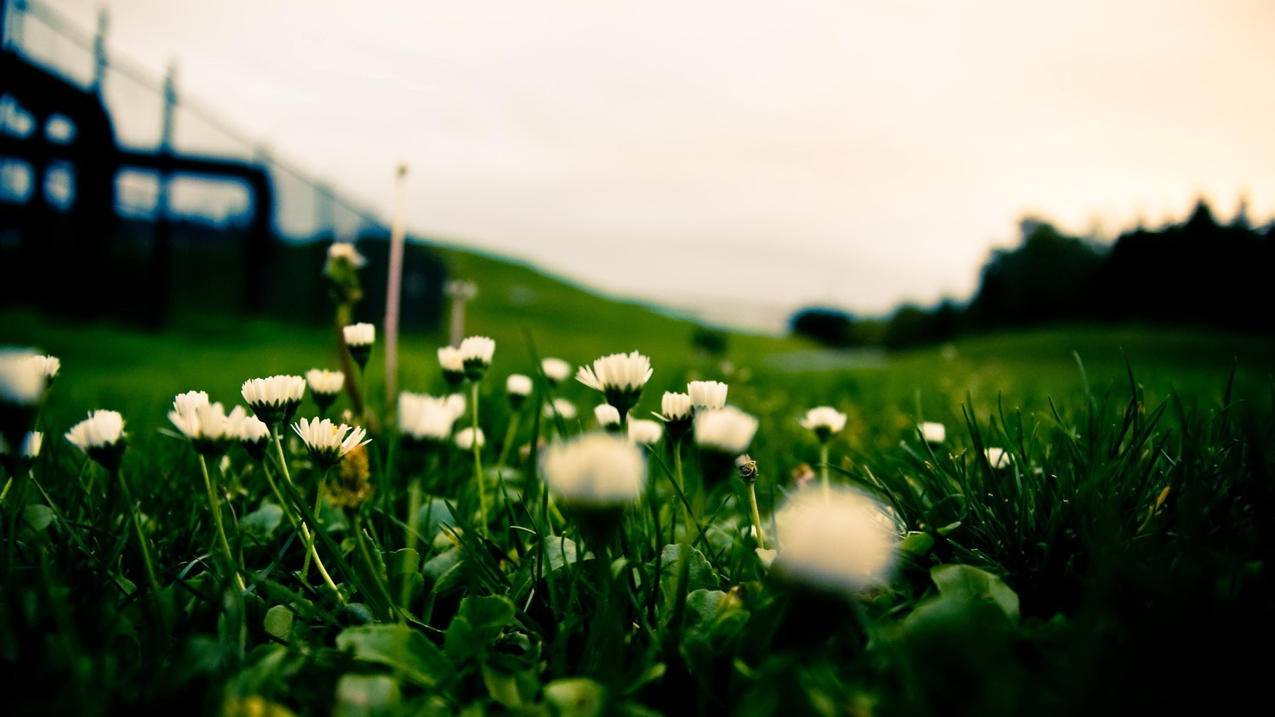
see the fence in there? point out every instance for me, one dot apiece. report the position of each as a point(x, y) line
point(187, 234)
point(139, 102)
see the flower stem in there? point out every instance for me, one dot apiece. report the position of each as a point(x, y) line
point(306, 536)
point(823, 468)
point(478, 459)
point(215, 506)
point(409, 539)
point(510, 434)
point(756, 515)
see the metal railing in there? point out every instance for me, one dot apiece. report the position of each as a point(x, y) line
point(149, 111)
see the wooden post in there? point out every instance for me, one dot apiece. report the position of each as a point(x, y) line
point(393, 285)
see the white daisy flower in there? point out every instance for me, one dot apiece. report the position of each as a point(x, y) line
point(645, 432)
point(838, 540)
point(675, 406)
point(560, 407)
point(358, 341)
point(932, 432)
point(204, 424)
point(465, 439)
point(518, 387)
point(707, 394)
point(49, 367)
point(346, 251)
point(323, 382)
point(998, 458)
point(456, 402)
point(274, 399)
point(475, 355)
point(359, 334)
point(425, 418)
point(189, 401)
point(22, 379)
point(824, 421)
point(595, 470)
point(100, 436)
point(249, 430)
point(328, 442)
point(620, 377)
point(31, 444)
point(725, 430)
point(453, 366)
point(607, 416)
point(555, 370)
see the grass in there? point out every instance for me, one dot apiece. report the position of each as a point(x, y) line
point(1118, 564)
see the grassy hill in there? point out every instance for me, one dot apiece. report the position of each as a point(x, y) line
point(138, 371)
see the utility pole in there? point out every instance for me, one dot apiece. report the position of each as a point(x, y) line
point(162, 254)
point(99, 50)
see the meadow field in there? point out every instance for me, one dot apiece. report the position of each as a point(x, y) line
point(1111, 559)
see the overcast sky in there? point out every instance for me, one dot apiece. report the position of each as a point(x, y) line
point(752, 155)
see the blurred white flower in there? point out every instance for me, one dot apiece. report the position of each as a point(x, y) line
point(346, 251)
point(707, 394)
point(766, 556)
point(555, 370)
point(328, 442)
point(518, 385)
point(425, 418)
point(48, 365)
point(323, 382)
point(456, 402)
point(22, 379)
point(644, 431)
point(595, 470)
point(998, 458)
point(728, 430)
point(620, 377)
point(932, 432)
point(475, 355)
point(560, 407)
point(839, 540)
point(359, 335)
point(675, 406)
point(102, 429)
point(275, 398)
point(606, 415)
point(189, 401)
point(31, 444)
point(824, 421)
point(465, 439)
point(449, 359)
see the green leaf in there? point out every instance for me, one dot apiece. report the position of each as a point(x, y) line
point(969, 583)
point(560, 552)
point(699, 575)
point(502, 687)
point(278, 621)
point(403, 562)
point(399, 647)
point(477, 624)
point(37, 516)
point(260, 524)
point(365, 695)
point(488, 614)
point(432, 516)
point(917, 544)
point(576, 697)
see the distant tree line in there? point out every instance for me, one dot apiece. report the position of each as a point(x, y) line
point(1197, 272)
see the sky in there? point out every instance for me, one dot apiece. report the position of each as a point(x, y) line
point(741, 158)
